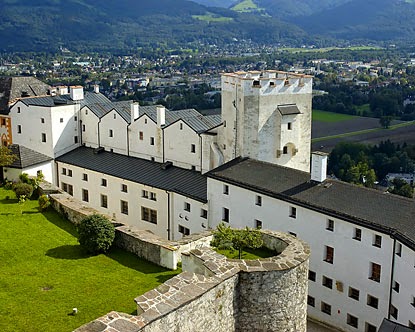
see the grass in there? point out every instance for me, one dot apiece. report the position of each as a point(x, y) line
point(245, 6)
point(212, 18)
point(45, 273)
point(330, 117)
point(248, 253)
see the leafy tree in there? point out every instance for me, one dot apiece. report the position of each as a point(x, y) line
point(224, 237)
point(96, 233)
point(385, 121)
point(402, 188)
point(44, 202)
point(6, 156)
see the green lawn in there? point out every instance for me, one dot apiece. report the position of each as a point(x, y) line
point(245, 6)
point(248, 253)
point(330, 117)
point(212, 18)
point(44, 273)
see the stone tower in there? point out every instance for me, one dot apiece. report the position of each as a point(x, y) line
point(267, 116)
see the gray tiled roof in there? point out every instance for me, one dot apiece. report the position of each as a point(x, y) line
point(371, 208)
point(186, 182)
point(389, 326)
point(48, 101)
point(12, 88)
point(26, 157)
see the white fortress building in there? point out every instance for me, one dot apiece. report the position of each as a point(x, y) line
point(178, 172)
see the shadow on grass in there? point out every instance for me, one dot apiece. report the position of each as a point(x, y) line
point(9, 201)
point(68, 252)
point(52, 216)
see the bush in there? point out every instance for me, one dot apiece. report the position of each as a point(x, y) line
point(96, 234)
point(23, 189)
point(44, 202)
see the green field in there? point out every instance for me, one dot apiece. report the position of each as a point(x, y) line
point(245, 6)
point(212, 18)
point(45, 273)
point(330, 117)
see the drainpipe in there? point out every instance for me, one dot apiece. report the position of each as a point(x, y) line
point(392, 276)
point(168, 216)
point(128, 140)
point(99, 135)
point(201, 153)
point(162, 143)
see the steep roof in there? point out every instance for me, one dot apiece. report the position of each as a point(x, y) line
point(12, 88)
point(185, 182)
point(26, 157)
point(367, 207)
point(389, 326)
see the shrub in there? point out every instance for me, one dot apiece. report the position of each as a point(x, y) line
point(8, 185)
point(96, 234)
point(23, 189)
point(44, 202)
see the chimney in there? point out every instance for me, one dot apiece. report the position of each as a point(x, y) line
point(62, 90)
point(319, 166)
point(77, 93)
point(135, 111)
point(161, 116)
point(96, 88)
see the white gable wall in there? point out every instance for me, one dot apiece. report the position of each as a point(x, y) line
point(113, 133)
point(142, 148)
point(89, 128)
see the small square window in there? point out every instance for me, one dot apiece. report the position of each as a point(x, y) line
point(225, 189)
point(311, 301)
point(311, 275)
point(64, 171)
point(285, 150)
point(144, 194)
point(330, 225)
point(396, 286)
point(152, 159)
point(372, 301)
point(151, 140)
point(326, 308)
point(61, 120)
point(42, 120)
point(85, 177)
point(104, 201)
point(193, 168)
point(43, 137)
point(115, 116)
point(19, 129)
point(69, 172)
point(398, 249)
point(225, 214)
point(145, 121)
point(124, 207)
point(377, 241)
point(258, 200)
point(75, 118)
point(153, 196)
point(18, 110)
point(75, 139)
point(327, 282)
point(104, 182)
point(258, 224)
point(187, 206)
point(140, 135)
point(111, 133)
point(354, 293)
point(352, 321)
point(370, 327)
point(357, 234)
point(124, 188)
point(289, 125)
point(329, 254)
point(293, 212)
point(293, 234)
point(393, 311)
point(375, 270)
point(193, 148)
point(184, 230)
point(203, 213)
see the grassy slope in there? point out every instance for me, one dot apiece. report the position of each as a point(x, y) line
point(330, 117)
point(44, 273)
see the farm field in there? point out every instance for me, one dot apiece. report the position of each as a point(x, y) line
point(326, 128)
point(45, 273)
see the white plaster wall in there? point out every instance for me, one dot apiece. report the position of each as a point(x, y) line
point(311, 227)
point(177, 148)
point(91, 122)
point(191, 220)
point(119, 140)
point(142, 148)
point(208, 156)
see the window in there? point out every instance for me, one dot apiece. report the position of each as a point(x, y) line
point(377, 241)
point(83, 127)
point(258, 224)
point(289, 125)
point(124, 207)
point(64, 186)
point(225, 189)
point(327, 282)
point(104, 182)
point(357, 234)
point(354, 293)
point(144, 194)
point(311, 275)
point(393, 312)
point(193, 148)
point(75, 118)
point(140, 135)
point(152, 159)
point(19, 129)
point(153, 196)
point(330, 225)
point(293, 234)
point(85, 196)
point(413, 301)
point(225, 214)
point(145, 121)
point(396, 286)
point(43, 137)
point(326, 308)
point(149, 215)
point(285, 150)
point(18, 110)
point(181, 126)
point(86, 112)
point(104, 201)
point(370, 328)
point(352, 320)
point(70, 189)
point(69, 172)
point(85, 177)
point(372, 301)
point(375, 272)
point(111, 133)
point(203, 213)
point(61, 120)
point(64, 171)
point(187, 206)
point(293, 212)
point(151, 140)
point(193, 168)
point(398, 249)
point(258, 200)
point(311, 301)
point(42, 120)
point(329, 255)
point(183, 230)
point(75, 139)
point(124, 188)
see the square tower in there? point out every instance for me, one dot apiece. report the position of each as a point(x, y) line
point(267, 117)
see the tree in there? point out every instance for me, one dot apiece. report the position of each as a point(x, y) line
point(224, 237)
point(385, 121)
point(23, 189)
point(6, 156)
point(402, 188)
point(96, 233)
